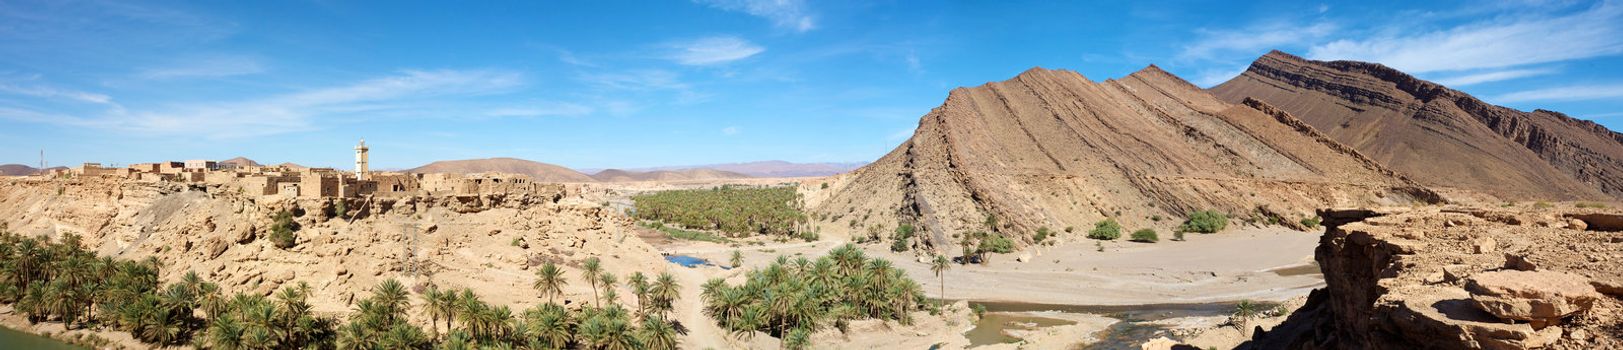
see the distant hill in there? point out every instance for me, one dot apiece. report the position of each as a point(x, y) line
point(617, 175)
point(239, 162)
point(1437, 135)
point(539, 171)
point(770, 168)
point(291, 165)
point(17, 170)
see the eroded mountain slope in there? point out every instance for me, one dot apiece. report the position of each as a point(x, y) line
point(1439, 136)
point(1053, 149)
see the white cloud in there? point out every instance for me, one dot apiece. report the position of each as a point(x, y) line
point(899, 135)
point(731, 130)
point(212, 67)
point(43, 91)
point(636, 80)
point(713, 50)
point(1568, 93)
point(542, 110)
point(296, 111)
point(1491, 76)
point(1212, 77)
point(1212, 44)
point(791, 14)
point(1495, 43)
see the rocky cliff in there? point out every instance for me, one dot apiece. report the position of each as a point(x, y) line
point(1053, 149)
point(1462, 278)
point(1439, 136)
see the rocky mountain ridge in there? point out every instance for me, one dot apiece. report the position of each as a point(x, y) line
point(1437, 135)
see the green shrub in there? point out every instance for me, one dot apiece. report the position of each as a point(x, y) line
point(1590, 205)
point(282, 230)
point(825, 185)
point(996, 244)
point(1145, 235)
point(1042, 234)
point(1205, 221)
point(1105, 230)
point(1543, 205)
point(1310, 222)
point(809, 236)
point(1177, 235)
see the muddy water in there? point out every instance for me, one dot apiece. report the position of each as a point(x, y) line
point(1134, 328)
point(992, 328)
point(13, 339)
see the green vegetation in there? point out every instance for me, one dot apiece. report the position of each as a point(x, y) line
point(1205, 221)
point(899, 240)
point(1310, 222)
point(1543, 205)
point(676, 233)
point(1042, 235)
point(1243, 312)
point(1145, 235)
point(1177, 235)
point(736, 210)
point(282, 230)
point(1590, 205)
point(62, 282)
point(1105, 230)
point(737, 259)
point(791, 300)
point(994, 243)
point(939, 266)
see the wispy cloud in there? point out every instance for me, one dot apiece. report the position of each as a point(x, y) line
point(542, 110)
point(1210, 44)
point(1498, 42)
point(731, 130)
point(1212, 77)
point(211, 67)
point(1566, 93)
point(296, 111)
point(790, 14)
point(636, 80)
point(43, 91)
point(712, 50)
point(1490, 76)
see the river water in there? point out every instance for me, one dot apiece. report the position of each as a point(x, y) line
point(13, 339)
point(1133, 330)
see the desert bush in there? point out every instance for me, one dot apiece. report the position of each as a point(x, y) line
point(1590, 205)
point(1145, 235)
point(1105, 230)
point(1177, 235)
point(1310, 222)
point(282, 230)
point(1205, 221)
point(1042, 234)
point(995, 243)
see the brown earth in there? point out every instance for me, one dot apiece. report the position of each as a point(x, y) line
point(239, 162)
point(617, 175)
point(541, 172)
point(17, 170)
point(1463, 278)
point(1439, 136)
point(1054, 149)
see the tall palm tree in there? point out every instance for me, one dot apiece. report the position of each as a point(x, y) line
point(391, 295)
point(550, 325)
point(640, 288)
point(549, 280)
point(606, 280)
point(657, 334)
point(225, 333)
point(432, 307)
point(590, 271)
point(665, 292)
point(940, 266)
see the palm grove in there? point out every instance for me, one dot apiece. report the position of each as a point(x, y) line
point(61, 282)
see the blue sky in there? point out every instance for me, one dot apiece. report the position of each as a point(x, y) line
point(596, 84)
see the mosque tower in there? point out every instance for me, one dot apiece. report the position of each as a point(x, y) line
point(360, 161)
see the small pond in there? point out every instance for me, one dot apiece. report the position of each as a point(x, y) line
point(14, 339)
point(993, 326)
point(687, 261)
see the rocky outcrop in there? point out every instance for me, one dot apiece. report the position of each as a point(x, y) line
point(1436, 135)
point(1050, 148)
point(1458, 278)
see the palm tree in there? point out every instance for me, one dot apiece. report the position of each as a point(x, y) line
point(1243, 312)
point(550, 324)
point(737, 259)
point(940, 266)
point(225, 333)
point(657, 334)
point(607, 281)
point(549, 281)
point(446, 305)
point(640, 288)
point(432, 307)
point(797, 339)
point(391, 295)
point(665, 292)
point(590, 271)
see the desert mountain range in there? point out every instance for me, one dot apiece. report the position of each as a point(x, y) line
point(1050, 148)
point(769, 168)
point(1439, 136)
point(545, 172)
point(17, 170)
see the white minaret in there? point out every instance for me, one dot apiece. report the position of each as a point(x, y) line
point(360, 160)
